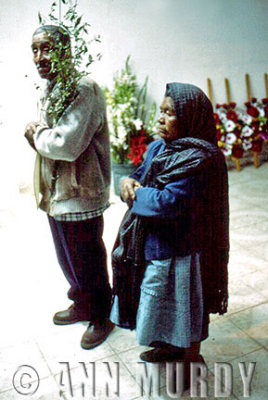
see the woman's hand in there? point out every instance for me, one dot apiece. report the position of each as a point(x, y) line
point(128, 189)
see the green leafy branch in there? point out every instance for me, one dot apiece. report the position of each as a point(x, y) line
point(66, 62)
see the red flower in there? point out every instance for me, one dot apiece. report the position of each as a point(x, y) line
point(218, 135)
point(218, 105)
point(257, 145)
point(266, 110)
point(137, 148)
point(251, 110)
point(217, 119)
point(237, 133)
point(254, 100)
point(232, 105)
point(232, 115)
point(265, 100)
point(237, 151)
point(255, 126)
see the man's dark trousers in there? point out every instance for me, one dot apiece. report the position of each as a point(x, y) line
point(82, 256)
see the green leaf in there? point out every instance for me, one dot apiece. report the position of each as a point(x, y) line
point(78, 21)
point(40, 19)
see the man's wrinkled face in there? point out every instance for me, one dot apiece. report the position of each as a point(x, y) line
point(168, 128)
point(41, 47)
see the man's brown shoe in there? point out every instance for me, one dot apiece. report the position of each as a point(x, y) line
point(70, 316)
point(96, 334)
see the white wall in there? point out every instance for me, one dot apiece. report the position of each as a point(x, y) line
point(168, 40)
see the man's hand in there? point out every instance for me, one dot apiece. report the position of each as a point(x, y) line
point(128, 189)
point(30, 131)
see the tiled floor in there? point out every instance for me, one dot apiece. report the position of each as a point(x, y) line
point(33, 288)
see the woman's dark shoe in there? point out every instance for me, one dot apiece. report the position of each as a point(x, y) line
point(162, 354)
point(70, 316)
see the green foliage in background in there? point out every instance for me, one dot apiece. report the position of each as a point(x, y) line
point(131, 122)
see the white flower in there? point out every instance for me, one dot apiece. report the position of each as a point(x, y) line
point(138, 124)
point(121, 132)
point(227, 151)
point(247, 131)
point(246, 144)
point(247, 119)
point(123, 107)
point(118, 112)
point(229, 125)
point(222, 117)
point(115, 141)
point(230, 138)
point(261, 111)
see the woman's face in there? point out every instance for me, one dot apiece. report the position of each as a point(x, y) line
point(168, 128)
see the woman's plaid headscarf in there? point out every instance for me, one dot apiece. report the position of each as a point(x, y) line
point(194, 111)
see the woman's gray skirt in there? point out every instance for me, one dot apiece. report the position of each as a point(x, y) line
point(171, 303)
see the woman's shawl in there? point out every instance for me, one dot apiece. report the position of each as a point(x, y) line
point(181, 159)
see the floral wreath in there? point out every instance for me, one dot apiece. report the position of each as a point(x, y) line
point(239, 130)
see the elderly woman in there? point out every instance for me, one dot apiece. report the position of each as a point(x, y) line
point(170, 257)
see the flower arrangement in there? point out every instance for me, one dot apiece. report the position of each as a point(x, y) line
point(239, 131)
point(228, 129)
point(131, 126)
point(258, 112)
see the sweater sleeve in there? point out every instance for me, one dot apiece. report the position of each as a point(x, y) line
point(75, 128)
point(173, 200)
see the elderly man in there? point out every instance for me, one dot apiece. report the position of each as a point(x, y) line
point(73, 158)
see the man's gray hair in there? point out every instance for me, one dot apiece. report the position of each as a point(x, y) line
point(58, 33)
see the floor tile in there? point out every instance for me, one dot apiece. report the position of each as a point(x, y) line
point(252, 192)
point(236, 178)
point(259, 384)
point(235, 245)
point(242, 263)
point(65, 347)
point(248, 219)
point(254, 323)
point(122, 339)
point(258, 281)
point(245, 237)
point(21, 357)
point(242, 296)
point(226, 342)
point(46, 389)
point(260, 251)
